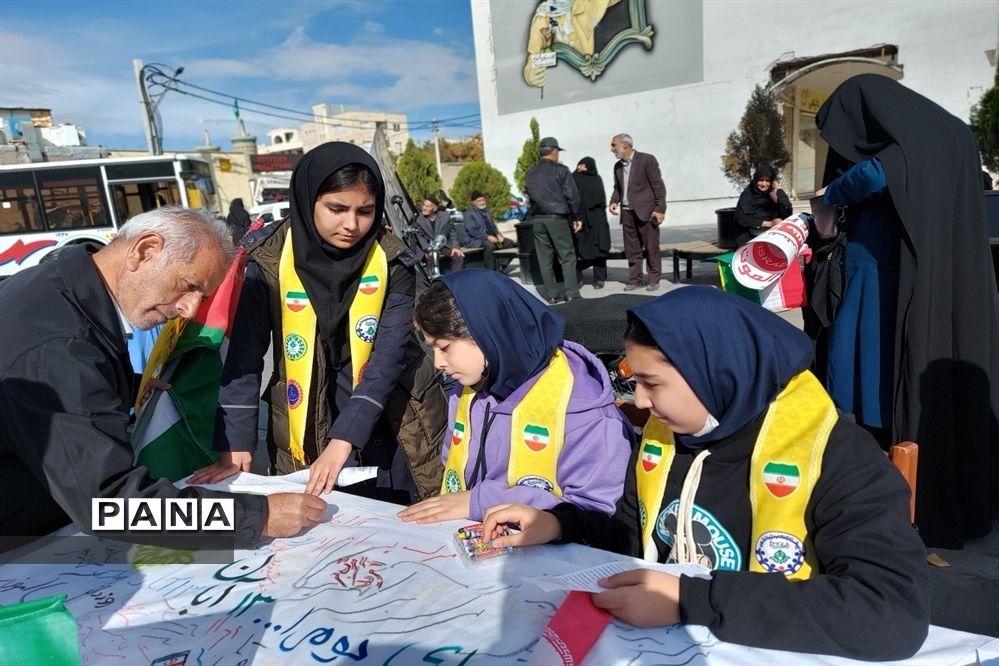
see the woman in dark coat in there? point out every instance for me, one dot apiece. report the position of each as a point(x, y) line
point(593, 240)
point(917, 242)
point(761, 205)
point(238, 219)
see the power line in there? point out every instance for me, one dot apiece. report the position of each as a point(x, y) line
point(464, 121)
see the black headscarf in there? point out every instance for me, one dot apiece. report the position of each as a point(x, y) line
point(516, 332)
point(238, 219)
point(591, 186)
point(330, 275)
point(594, 240)
point(735, 355)
point(754, 204)
point(947, 320)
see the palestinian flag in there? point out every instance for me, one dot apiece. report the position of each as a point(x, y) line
point(173, 432)
point(369, 284)
point(296, 300)
point(536, 437)
point(651, 455)
point(457, 434)
point(781, 479)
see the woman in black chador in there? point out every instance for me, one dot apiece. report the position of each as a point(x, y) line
point(593, 240)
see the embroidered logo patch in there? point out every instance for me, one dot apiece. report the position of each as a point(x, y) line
point(539, 482)
point(536, 437)
point(295, 346)
point(451, 482)
point(780, 552)
point(294, 394)
point(651, 455)
point(366, 328)
point(296, 300)
point(782, 479)
point(458, 433)
point(369, 284)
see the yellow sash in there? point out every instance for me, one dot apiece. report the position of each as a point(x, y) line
point(784, 468)
point(298, 325)
point(165, 343)
point(537, 432)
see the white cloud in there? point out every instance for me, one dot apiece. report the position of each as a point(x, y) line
point(373, 28)
point(439, 31)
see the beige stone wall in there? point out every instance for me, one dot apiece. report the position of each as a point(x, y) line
point(356, 127)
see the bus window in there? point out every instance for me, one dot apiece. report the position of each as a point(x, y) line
point(130, 199)
point(72, 199)
point(19, 211)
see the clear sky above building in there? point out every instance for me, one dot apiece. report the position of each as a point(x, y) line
point(409, 56)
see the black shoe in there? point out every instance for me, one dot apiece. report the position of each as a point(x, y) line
point(631, 286)
point(598, 285)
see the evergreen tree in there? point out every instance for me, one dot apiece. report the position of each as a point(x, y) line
point(985, 126)
point(418, 173)
point(529, 156)
point(481, 176)
point(759, 139)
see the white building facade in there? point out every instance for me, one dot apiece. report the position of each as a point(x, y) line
point(676, 75)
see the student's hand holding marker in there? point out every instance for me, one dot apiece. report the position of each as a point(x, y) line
point(450, 506)
point(535, 526)
point(641, 597)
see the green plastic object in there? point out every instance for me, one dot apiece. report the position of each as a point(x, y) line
point(38, 633)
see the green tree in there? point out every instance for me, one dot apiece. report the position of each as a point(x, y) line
point(479, 175)
point(529, 156)
point(418, 173)
point(758, 140)
point(985, 126)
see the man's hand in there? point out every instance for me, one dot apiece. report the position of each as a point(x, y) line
point(451, 506)
point(229, 463)
point(773, 191)
point(642, 598)
point(290, 513)
point(154, 383)
point(495, 240)
point(323, 472)
point(658, 217)
point(500, 238)
point(456, 252)
point(577, 226)
point(536, 526)
point(613, 208)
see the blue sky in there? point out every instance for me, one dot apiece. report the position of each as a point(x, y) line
point(410, 56)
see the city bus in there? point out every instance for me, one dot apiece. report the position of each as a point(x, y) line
point(46, 206)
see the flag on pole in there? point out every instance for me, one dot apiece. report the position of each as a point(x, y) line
point(173, 431)
point(235, 107)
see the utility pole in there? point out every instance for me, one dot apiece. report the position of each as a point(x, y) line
point(437, 148)
point(147, 118)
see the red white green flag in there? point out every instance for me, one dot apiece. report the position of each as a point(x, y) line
point(536, 437)
point(781, 478)
point(458, 433)
point(296, 300)
point(369, 284)
point(651, 455)
point(173, 433)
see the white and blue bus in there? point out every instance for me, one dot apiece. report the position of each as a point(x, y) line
point(46, 206)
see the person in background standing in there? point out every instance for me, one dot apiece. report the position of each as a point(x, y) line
point(640, 197)
point(238, 219)
point(555, 214)
point(481, 231)
point(593, 240)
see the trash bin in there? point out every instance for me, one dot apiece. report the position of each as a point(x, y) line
point(529, 271)
point(728, 230)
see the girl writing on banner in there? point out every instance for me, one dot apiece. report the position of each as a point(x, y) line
point(334, 296)
point(533, 416)
point(746, 467)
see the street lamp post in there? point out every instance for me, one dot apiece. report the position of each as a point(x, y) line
point(153, 75)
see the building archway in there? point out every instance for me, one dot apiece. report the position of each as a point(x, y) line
point(801, 86)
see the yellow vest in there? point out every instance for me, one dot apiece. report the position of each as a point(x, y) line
point(537, 432)
point(298, 325)
point(785, 466)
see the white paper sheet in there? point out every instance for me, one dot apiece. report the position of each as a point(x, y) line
point(585, 580)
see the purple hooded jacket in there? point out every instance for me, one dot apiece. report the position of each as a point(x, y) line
point(592, 465)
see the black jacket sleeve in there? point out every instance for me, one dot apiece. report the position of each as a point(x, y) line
point(356, 421)
point(784, 208)
point(744, 219)
point(870, 599)
point(571, 194)
point(85, 452)
point(239, 394)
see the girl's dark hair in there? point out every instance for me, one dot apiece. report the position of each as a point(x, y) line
point(346, 176)
point(438, 315)
point(638, 333)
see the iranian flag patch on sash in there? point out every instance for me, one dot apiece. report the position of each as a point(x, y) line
point(536, 437)
point(781, 479)
point(296, 300)
point(651, 455)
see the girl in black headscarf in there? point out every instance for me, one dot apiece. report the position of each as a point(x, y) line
point(334, 297)
point(238, 219)
point(593, 240)
point(761, 205)
point(920, 235)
